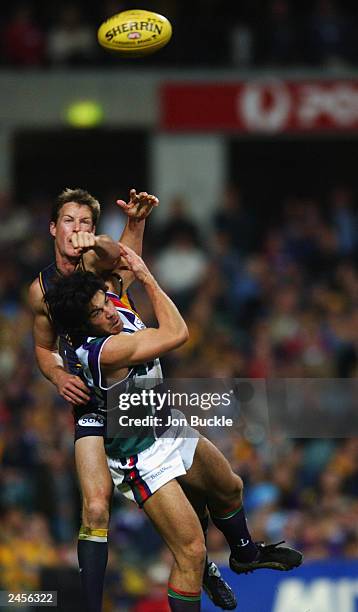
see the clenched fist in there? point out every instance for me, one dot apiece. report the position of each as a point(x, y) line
point(83, 240)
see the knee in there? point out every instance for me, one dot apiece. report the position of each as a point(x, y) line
point(239, 488)
point(191, 555)
point(232, 494)
point(235, 491)
point(95, 513)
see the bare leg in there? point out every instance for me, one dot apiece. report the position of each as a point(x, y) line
point(174, 518)
point(212, 480)
point(212, 476)
point(95, 481)
point(215, 586)
point(196, 498)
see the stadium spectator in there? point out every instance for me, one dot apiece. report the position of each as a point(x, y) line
point(16, 221)
point(281, 34)
point(71, 41)
point(345, 220)
point(181, 267)
point(329, 34)
point(23, 40)
point(234, 217)
point(242, 45)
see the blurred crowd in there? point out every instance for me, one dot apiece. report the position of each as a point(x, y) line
point(262, 298)
point(250, 33)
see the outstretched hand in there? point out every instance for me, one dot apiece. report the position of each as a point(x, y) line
point(140, 205)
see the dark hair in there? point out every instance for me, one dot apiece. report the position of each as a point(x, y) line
point(80, 196)
point(68, 300)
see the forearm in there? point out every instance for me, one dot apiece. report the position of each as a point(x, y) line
point(107, 249)
point(49, 362)
point(167, 314)
point(132, 235)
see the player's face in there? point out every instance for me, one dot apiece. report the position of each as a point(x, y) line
point(103, 316)
point(72, 217)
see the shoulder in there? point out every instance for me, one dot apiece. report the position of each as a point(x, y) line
point(35, 296)
point(92, 346)
point(110, 349)
point(90, 352)
point(35, 288)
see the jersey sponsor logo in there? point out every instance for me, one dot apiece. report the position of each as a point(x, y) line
point(91, 420)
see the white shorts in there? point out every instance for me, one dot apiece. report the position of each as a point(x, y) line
point(167, 458)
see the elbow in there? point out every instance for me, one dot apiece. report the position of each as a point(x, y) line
point(185, 334)
point(181, 336)
point(173, 338)
point(105, 238)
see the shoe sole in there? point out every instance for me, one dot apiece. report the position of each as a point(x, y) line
point(218, 605)
point(244, 569)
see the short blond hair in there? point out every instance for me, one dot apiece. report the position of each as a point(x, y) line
point(79, 196)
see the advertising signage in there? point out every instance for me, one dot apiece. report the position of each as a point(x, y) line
point(269, 106)
point(316, 586)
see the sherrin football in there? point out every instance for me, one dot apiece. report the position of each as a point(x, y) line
point(135, 33)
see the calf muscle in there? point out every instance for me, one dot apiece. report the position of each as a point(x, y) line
point(95, 481)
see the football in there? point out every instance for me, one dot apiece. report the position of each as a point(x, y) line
point(135, 33)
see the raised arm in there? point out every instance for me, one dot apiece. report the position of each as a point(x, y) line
point(69, 386)
point(100, 253)
point(138, 208)
point(123, 350)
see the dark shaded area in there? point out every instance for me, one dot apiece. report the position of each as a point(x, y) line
point(68, 157)
point(205, 34)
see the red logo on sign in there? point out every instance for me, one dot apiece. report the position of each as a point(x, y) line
point(261, 106)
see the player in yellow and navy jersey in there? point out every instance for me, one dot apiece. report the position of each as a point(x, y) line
point(73, 223)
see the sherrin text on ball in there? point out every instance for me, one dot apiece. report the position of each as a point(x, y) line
point(135, 33)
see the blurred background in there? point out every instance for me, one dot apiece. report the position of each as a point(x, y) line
point(246, 128)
